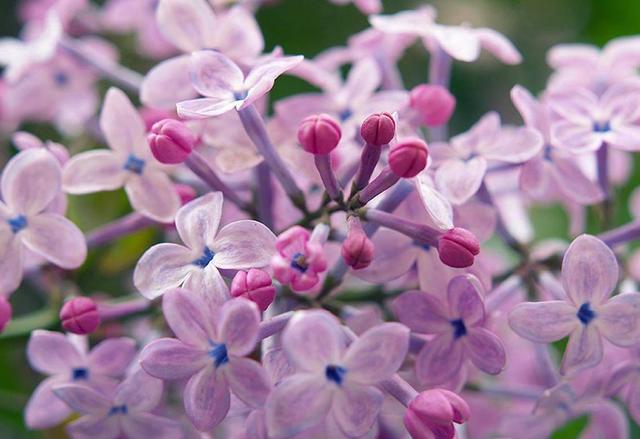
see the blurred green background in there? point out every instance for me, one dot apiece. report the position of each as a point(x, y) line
point(307, 27)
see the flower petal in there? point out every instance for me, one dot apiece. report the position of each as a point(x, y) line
point(437, 206)
point(189, 316)
point(363, 80)
point(83, 399)
point(168, 83)
point(161, 268)
point(498, 45)
point(207, 398)
point(30, 181)
point(45, 409)
point(584, 349)
point(543, 322)
point(619, 319)
point(459, 42)
point(171, 359)
point(146, 425)
point(459, 180)
point(55, 238)
point(239, 36)
point(248, 380)
point(513, 145)
point(140, 392)
point(574, 183)
point(577, 139)
point(589, 271)
point(209, 283)
point(238, 326)
point(11, 264)
point(198, 220)
point(465, 301)
point(153, 195)
point(204, 107)
point(93, 171)
point(377, 354)
point(244, 244)
point(215, 76)
point(262, 77)
point(439, 360)
point(112, 356)
point(120, 123)
point(188, 25)
point(422, 312)
point(355, 409)
point(485, 350)
point(51, 353)
point(95, 427)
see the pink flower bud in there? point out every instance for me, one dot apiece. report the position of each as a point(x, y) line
point(80, 315)
point(458, 247)
point(185, 192)
point(409, 157)
point(432, 413)
point(319, 134)
point(5, 313)
point(378, 129)
point(357, 249)
point(255, 285)
point(171, 141)
point(433, 104)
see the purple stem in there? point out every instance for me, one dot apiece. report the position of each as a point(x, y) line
point(274, 325)
point(420, 233)
point(368, 161)
point(546, 367)
point(603, 169)
point(323, 164)
point(126, 225)
point(502, 292)
point(111, 311)
point(265, 195)
point(381, 183)
point(551, 285)
point(622, 234)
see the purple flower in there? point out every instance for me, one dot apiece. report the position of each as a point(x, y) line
point(332, 380)
point(589, 275)
point(224, 85)
point(30, 184)
point(458, 326)
point(210, 351)
point(129, 163)
point(123, 412)
point(240, 245)
point(66, 360)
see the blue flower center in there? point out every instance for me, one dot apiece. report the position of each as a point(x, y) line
point(585, 313)
point(219, 354)
point(207, 256)
point(335, 373)
point(345, 114)
point(299, 262)
point(546, 151)
point(601, 127)
point(61, 79)
point(119, 409)
point(134, 164)
point(17, 223)
point(459, 329)
point(80, 373)
point(240, 95)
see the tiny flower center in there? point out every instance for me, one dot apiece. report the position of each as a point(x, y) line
point(17, 223)
point(61, 79)
point(134, 164)
point(601, 127)
point(585, 313)
point(207, 256)
point(299, 262)
point(80, 373)
point(219, 354)
point(345, 114)
point(459, 329)
point(547, 152)
point(335, 373)
point(240, 95)
point(118, 410)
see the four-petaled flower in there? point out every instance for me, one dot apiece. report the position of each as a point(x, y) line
point(240, 245)
point(589, 275)
point(458, 325)
point(210, 351)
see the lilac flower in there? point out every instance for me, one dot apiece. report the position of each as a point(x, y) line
point(129, 163)
point(65, 360)
point(365, 6)
point(589, 275)
point(332, 380)
point(210, 351)
point(193, 26)
point(458, 325)
point(224, 85)
point(240, 245)
point(30, 184)
point(123, 412)
point(463, 163)
point(587, 120)
point(625, 381)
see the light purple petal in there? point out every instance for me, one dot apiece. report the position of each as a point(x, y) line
point(83, 399)
point(531, 110)
point(579, 106)
point(363, 80)
point(171, 359)
point(11, 255)
point(574, 183)
point(439, 360)
point(189, 25)
point(51, 353)
point(584, 56)
point(140, 392)
point(584, 349)
point(207, 398)
point(153, 195)
point(45, 409)
point(606, 419)
point(239, 36)
point(204, 107)
point(93, 171)
point(120, 123)
point(190, 316)
point(405, 22)
point(112, 356)
point(465, 301)
point(513, 145)
point(355, 409)
point(161, 268)
point(458, 41)
point(248, 380)
point(422, 312)
point(577, 139)
point(55, 238)
point(209, 283)
point(312, 340)
point(589, 271)
point(619, 319)
point(484, 131)
point(30, 181)
point(485, 350)
point(198, 220)
point(168, 83)
point(215, 76)
point(146, 425)
point(262, 77)
point(459, 180)
point(297, 403)
point(377, 354)
point(238, 326)
point(95, 427)
point(436, 205)
point(244, 244)
point(498, 45)
point(394, 256)
point(544, 322)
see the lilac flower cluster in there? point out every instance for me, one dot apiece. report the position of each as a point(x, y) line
point(334, 265)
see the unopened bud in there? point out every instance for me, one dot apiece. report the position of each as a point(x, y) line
point(434, 104)
point(171, 141)
point(357, 249)
point(5, 313)
point(80, 315)
point(319, 134)
point(378, 129)
point(432, 413)
point(409, 157)
point(458, 248)
point(255, 285)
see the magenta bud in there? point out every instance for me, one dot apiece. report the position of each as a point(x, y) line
point(319, 134)
point(185, 192)
point(357, 249)
point(434, 104)
point(378, 129)
point(150, 116)
point(432, 413)
point(408, 157)
point(255, 285)
point(458, 247)
point(6, 313)
point(171, 141)
point(80, 315)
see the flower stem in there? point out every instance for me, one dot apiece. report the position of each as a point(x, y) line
point(121, 227)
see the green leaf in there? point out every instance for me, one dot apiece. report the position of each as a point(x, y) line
point(571, 429)
point(23, 325)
